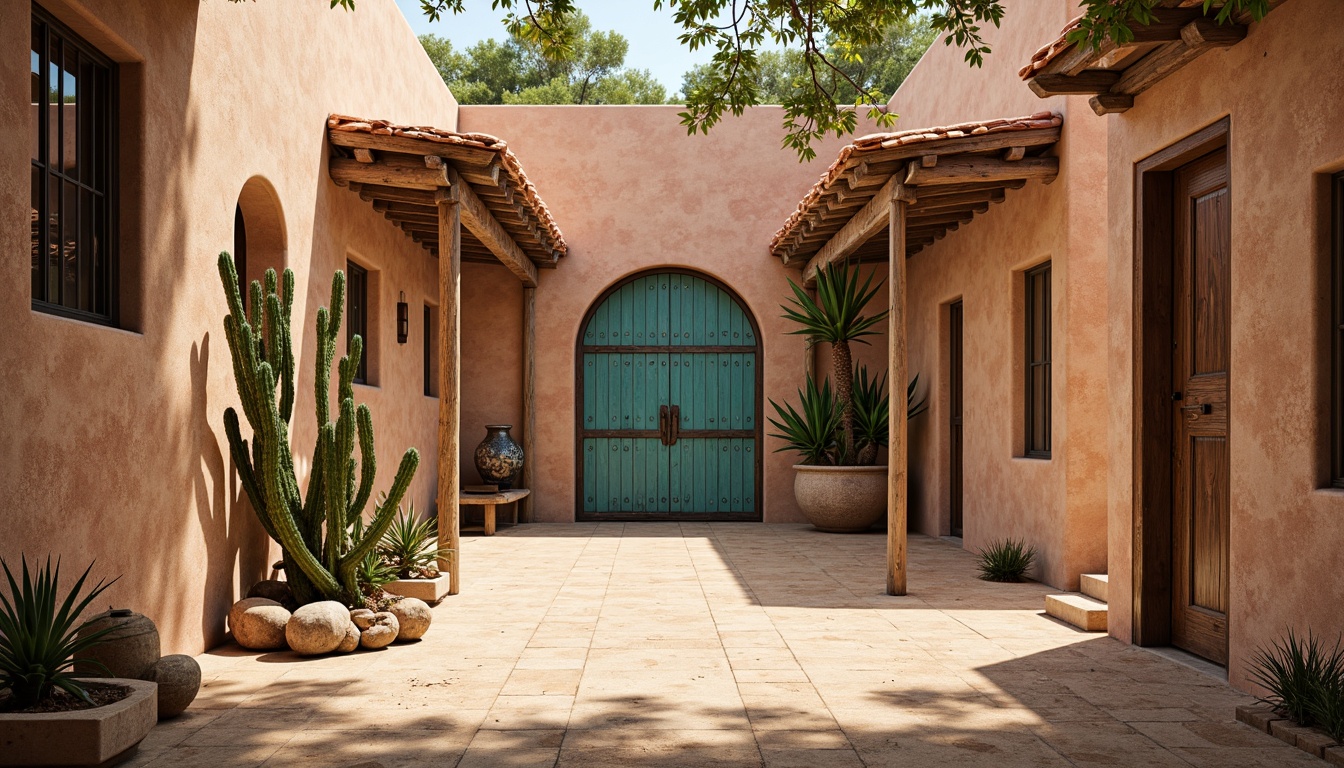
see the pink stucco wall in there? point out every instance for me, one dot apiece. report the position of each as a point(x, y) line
point(1057, 505)
point(1282, 91)
point(632, 191)
point(114, 444)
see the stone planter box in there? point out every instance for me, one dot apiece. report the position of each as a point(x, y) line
point(99, 736)
point(1310, 740)
point(429, 590)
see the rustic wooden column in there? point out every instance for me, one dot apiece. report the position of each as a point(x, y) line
point(529, 397)
point(897, 377)
point(450, 374)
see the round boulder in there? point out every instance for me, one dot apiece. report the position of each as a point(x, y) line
point(351, 641)
point(258, 623)
point(271, 589)
point(413, 616)
point(362, 617)
point(317, 628)
point(179, 679)
point(381, 632)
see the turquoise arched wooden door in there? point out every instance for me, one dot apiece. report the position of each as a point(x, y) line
point(669, 403)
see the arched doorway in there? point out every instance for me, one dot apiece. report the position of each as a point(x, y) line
point(669, 402)
point(259, 238)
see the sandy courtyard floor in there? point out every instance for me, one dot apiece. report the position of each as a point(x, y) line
point(718, 644)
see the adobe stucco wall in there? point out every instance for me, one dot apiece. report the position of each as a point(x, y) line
point(1057, 505)
point(114, 447)
point(1282, 89)
point(632, 191)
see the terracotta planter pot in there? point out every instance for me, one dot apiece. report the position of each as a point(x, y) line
point(99, 736)
point(841, 499)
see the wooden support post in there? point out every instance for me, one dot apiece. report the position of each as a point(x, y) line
point(897, 377)
point(450, 372)
point(529, 400)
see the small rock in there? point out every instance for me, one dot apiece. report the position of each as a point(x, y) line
point(317, 628)
point(179, 680)
point(413, 616)
point(271, 589)
point(381, 633)
point(258, 623)
point(362, 617)
point(351, 641)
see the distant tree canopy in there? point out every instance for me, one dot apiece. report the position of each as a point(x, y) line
point(878, 68)
point(516, 71)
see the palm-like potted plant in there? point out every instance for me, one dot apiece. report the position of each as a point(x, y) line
point(838, 433)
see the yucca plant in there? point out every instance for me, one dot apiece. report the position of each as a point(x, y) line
point(371, 573)
point(1304, 678)
point(39, 634)
point(812, 432)
point(408, 546)
point(1006, 560)
point(837, 318)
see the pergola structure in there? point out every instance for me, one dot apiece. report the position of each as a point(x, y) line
point(1115, 72)
point(430, 182)
point(885, 198)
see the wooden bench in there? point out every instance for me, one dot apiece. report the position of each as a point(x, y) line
point(492, 500)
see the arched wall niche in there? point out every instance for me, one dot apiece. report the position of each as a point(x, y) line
point(260, 239)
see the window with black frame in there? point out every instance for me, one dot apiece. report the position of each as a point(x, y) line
point(1037, 399)
point(74, 269)
point(357, 315)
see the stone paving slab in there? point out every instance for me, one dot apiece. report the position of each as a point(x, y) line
point(665, 644)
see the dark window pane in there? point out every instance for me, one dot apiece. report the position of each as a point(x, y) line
point(1037, 396)
point(102, 264)
point(357, 311)
point(70, 112)
point(39, 88)
point(53, 239)
point(88, 119)
point(54, 103)
point(87, 284)
point(70, 246)
point(36, 226)
point(429, 384)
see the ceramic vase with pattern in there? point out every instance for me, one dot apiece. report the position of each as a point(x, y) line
point(498, 458)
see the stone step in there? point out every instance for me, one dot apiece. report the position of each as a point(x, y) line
point(1094, 586)
point(1079, 610)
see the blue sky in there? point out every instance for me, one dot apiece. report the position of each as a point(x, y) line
point(652, 34)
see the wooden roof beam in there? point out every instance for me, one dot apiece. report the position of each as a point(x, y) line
point(865, 224)
point(390, 172)
point(483, 225)
point(963, 170)
point(1088, 81)
point(412, 146)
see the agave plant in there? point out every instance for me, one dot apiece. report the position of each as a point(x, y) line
point(1305, 679)
point(836, 317)
point(813, 432)
point(39, 634)
point(408, 546)
point(1007, 560)
point(371, 573)
point(872, 412)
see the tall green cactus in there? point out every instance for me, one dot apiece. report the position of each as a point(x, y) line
point(322, 549)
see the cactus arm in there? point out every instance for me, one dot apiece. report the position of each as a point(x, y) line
point(243, 462)
point(287, 350)
point(326, 347)
point(368, 462)
point(373, 532)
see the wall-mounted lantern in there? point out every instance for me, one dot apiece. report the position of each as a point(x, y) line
point(403, 319)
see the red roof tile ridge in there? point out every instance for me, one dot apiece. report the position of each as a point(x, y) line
point(1050, 51)
point(851, 154)
point(512, 166)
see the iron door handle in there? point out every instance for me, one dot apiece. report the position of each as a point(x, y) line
point(1201, 408)
point(674, 425)
point(663, 433)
